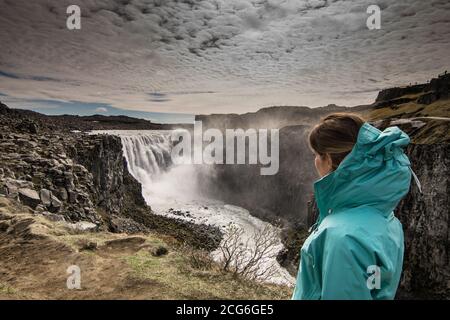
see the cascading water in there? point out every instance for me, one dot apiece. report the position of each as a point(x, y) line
point(147, 155)
point(172, 190)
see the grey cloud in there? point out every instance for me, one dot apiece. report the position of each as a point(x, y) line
point(158, 97)
point(12, 75)
point(268, 51)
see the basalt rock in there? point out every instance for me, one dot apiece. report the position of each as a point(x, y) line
point(426, 219)
point(426, 93)
point(46, 197)
point(29, 197)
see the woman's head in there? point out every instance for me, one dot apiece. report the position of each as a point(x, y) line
point(332, 139)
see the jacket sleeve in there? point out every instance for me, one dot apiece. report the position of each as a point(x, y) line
point(345, 269)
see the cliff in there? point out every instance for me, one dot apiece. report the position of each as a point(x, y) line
point(36, 253)
point(425, 219)
point(75, 177)
point(425, 93)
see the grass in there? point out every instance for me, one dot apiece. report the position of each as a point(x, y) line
point(8, 292)
point(440, 108)
point(180, 281)
point(406, 110)
point(173, 276)
point(435, 131)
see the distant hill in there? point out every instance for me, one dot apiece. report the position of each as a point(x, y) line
point(87, 123)
point(274, 117)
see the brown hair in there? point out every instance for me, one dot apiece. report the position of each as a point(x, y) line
point(336, 135)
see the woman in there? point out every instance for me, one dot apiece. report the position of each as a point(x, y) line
point(355, 250)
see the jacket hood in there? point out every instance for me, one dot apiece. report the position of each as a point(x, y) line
point(375, 173)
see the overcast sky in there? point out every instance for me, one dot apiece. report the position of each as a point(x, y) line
point(214, 56)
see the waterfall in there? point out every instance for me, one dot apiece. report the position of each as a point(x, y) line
point(147, 154)
point(172, 190)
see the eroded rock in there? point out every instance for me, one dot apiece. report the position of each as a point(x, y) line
point(29, 197)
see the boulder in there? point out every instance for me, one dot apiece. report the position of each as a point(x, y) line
point(62, 194)
point(3, 189)
point(40, 208)
point(29, 197)
point(13, 183)
point(46, 197)
point(160, 251)
point(28, 126)
point(11, 190)
point(72, 195)
point(55, 205)
point(83, 226)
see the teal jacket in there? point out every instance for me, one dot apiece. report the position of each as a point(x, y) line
point(356, 248)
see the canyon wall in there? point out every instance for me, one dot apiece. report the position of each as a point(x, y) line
point(276, 198)
point(272, 117)
point(425, 93)
point(425, 219)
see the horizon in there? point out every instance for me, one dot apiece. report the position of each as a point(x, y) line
point(159, 117)
point(101, 109)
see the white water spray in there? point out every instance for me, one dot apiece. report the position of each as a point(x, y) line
point(173, 190)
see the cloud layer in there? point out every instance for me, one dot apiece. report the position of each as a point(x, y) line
point(210, 56)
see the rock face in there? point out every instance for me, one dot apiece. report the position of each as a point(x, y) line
point(425, 218)
point(40, 164)
point(102, 156)
point(29, 197)
point(118, 195)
